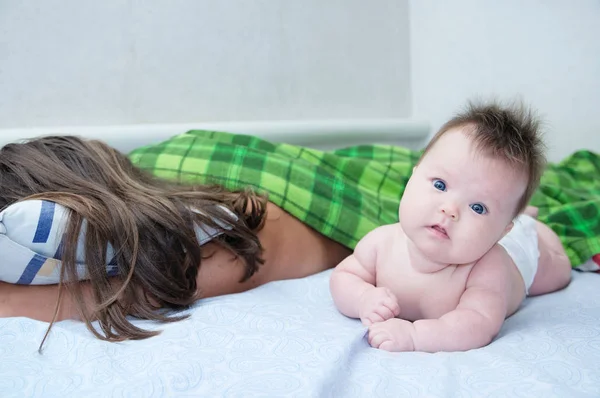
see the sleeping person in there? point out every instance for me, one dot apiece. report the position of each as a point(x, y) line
point(87, 235)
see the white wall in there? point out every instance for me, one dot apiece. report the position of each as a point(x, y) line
point(546, 52)
point(87, 62)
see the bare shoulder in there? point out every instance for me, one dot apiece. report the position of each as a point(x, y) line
point(492, 271)
point(496, 273)
point(373, 244)
point(377, 238)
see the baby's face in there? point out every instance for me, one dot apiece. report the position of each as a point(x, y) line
point(459, 202)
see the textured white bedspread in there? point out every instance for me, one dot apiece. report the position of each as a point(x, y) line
point(287, 339)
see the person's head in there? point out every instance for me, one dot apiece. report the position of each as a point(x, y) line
point(474, 177)
point(147, 221)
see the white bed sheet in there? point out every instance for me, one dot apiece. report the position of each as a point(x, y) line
point(287, 339)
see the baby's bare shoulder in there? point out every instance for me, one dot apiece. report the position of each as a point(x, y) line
point(491, 270)
point(380, 243)
point(380, 237)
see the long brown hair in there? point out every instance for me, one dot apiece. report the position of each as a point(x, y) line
point(149, 223)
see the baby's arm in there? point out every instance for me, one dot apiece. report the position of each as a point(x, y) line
point(353, 281)
point(474, 323)
point(479, 315)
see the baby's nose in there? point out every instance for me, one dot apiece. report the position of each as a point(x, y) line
point(450, 211)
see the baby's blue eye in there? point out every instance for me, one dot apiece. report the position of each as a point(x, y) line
point(479, 208)
point(439, 185)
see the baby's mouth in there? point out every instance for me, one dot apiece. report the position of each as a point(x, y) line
point(439, 229)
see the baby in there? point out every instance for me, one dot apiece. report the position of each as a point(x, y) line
point(464, 255)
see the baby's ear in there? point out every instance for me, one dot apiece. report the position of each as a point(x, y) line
point(508, 228)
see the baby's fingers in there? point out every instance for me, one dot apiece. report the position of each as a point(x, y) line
point(387, 345)
point(391, 301)
point(393, 307)
point(371, 319)
point(384, 313)
point(377, 338)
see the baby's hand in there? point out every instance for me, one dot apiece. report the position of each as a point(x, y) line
point(392, 335)
point(378, 304)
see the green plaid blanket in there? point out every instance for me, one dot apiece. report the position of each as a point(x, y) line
point(569, 202)
point(346, 193)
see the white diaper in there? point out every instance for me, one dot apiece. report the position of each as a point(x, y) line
point(521, 244)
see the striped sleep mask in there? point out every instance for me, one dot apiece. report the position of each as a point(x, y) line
point(31, 233)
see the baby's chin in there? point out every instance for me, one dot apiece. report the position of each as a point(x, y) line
point(449, 252)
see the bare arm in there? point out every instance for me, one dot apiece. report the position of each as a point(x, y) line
point(354, 275)
point(353, 283)
point(479, 315)
point(39, 301)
